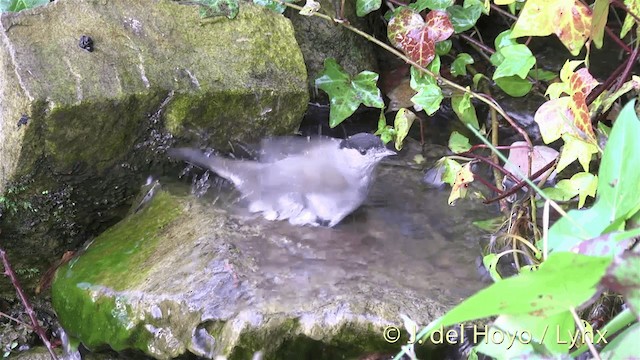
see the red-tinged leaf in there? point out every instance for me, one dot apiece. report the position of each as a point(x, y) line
point(570, 20)
point(438, 25)
point(580, 84)
point(417, 38)
point(419, 47)
point(459, 188)
point(582, 81)
point(553, 119)
point(580, 113)
point(404, 21)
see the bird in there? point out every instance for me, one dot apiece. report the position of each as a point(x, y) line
point(314, 181)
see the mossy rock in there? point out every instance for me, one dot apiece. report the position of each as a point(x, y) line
point(97, 123)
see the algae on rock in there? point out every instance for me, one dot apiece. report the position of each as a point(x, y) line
point(98, 122)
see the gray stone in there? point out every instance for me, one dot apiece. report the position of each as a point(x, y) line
point(184, 274)
point(99, 121)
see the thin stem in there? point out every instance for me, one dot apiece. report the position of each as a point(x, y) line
point(25, 302)
point(617, 40)
point(583, 331)
point(500, 10)
point(627, 69)
point(622, 6)
point(477, 43)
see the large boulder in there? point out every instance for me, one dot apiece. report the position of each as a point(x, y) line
point(185, 275)
point(80, 130)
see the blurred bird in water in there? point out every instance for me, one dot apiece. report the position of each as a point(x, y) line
point(309, 181)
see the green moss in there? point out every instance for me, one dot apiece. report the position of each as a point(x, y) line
point(88, 292)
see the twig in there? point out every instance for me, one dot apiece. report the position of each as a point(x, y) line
point(627, 69)
point(16, 320)
point(622, 6)
point(617, 40)
point(606, 85)
point(477, 43)
point(498, 9)
point(8, 271)
point(521, 183)
point(583, 331)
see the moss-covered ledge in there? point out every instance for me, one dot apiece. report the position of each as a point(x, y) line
point(98, 122)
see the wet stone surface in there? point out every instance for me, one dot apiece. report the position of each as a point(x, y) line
point(207, 277)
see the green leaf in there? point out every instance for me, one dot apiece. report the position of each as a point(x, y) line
point(564, 280)
point(429, 98)
point(459, 65)
point(429, 94)
point(624, 277)
point(490, 225)
point(619, 187)
point(345, 95)
point(618, 191)
point(213, 8)
point(459, 143)
point(542, 75)
point(272, 5)
point(443, 47)
point(463, 107)
point(18, 5)
point(514, 86)
point(402, 124)
point(451, 169)
point(504, 39)
point(385, 131)
point(518, 60)
point(575, 148)
point(583, 184)
point(624, 345)
point(431, 4)
point(462, 18)
point(363, 7)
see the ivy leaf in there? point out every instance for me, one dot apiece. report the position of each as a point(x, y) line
point(514, 85)
point(463, 107)
point(464, 18)
point(459, 65)
point(568, 114)
point(504, 39)
point(459, 143)
point(464, 177)
point(429, 94)
point(345, 94)
point(18, 5)
point(517, 60)
point(402, 124)
point(310, 7)
point(570, 20)
point(431, 5)
point(363, 7)
point(443, 47)
point(272, 5)
point(542, 75)
point(213, 8)
point(451, 168)
point(576, 148)
point(599, 21)
point(385, 131)
point(629, 20)
point(582, 184)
